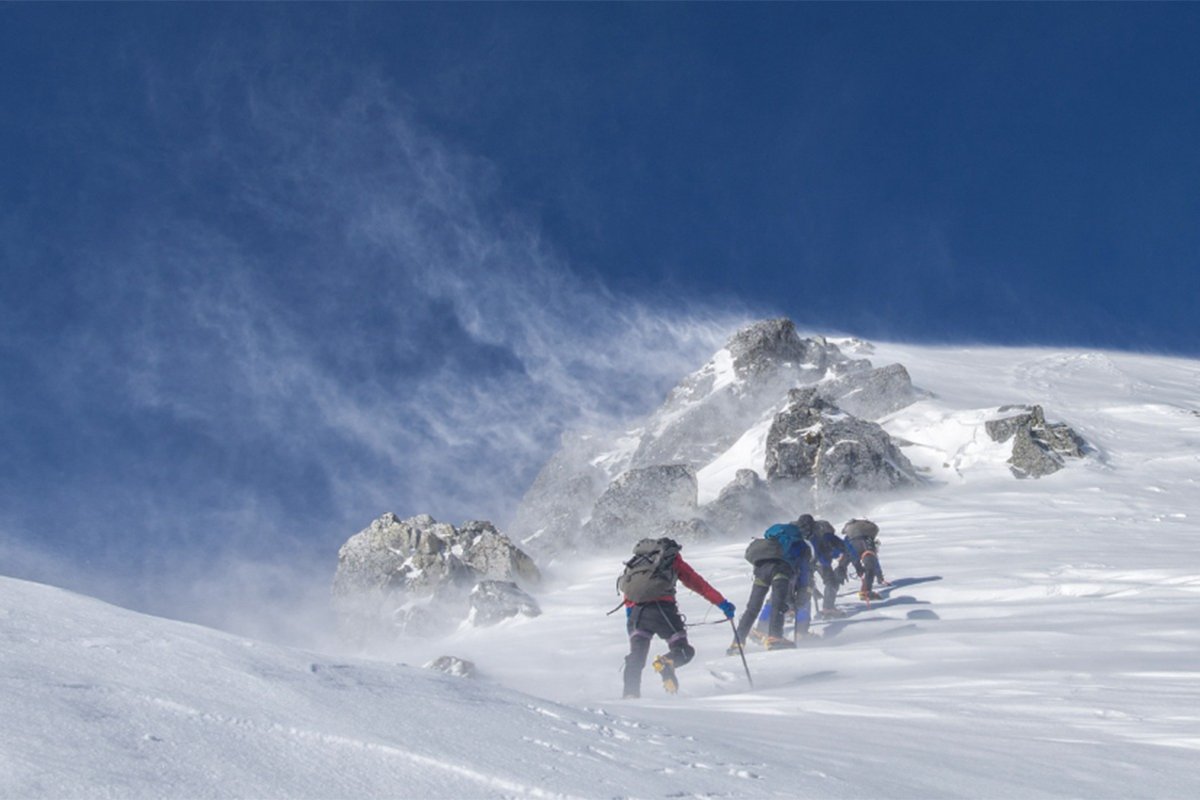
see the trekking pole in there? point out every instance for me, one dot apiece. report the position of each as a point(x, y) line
point(741, 652)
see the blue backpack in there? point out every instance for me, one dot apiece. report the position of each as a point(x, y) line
point(790, 539)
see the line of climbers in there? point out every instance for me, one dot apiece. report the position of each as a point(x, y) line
point(785, 558)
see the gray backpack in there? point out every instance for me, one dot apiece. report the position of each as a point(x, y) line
point(651, 573)
point(860, 529)
point(760, 550)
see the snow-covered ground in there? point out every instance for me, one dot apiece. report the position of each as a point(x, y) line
point(1040, 641)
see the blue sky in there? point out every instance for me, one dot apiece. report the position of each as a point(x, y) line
point(271, 270)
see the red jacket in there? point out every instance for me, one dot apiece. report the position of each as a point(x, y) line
point(692, 580)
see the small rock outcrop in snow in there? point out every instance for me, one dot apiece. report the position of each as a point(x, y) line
point(493, 601)
point(1039, 447)
point(413, 576)
point(452, 665)
point(811, 439)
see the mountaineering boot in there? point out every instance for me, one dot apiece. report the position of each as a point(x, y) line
point(865, 595)
point(666, 668)
point(777, 643)
point(733, 649)
point(631, 695)
point(832, 613)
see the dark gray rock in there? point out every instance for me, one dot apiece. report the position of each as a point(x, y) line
point(1039, 447)
point(452, 665)
point(813, 440)
point(495, 601)
point(767, 346)
point(794, 440)
point(642, 503)
point(871, 393)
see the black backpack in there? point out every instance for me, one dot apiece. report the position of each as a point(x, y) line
point(651, 573)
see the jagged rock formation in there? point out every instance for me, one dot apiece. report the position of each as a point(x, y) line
point(414, 576)
point(869, 393)
point(811, 439)
point(1039, 447)
point(709, 409)
point(580, 496)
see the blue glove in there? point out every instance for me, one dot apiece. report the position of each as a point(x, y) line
point(727, 607)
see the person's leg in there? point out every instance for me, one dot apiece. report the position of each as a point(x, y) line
point(829, 600)
point(763, 623)
point(639, 649)
point(664, 620)
point(780, 580)
point(678, 649)
point(758, 592)
point(803, 595)
point(870, 564)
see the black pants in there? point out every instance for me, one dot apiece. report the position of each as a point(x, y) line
point(646, 621)
point(775, 577)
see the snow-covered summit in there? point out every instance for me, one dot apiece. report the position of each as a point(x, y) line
point(705, 421)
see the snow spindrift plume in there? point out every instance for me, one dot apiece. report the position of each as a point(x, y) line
point(359, 327)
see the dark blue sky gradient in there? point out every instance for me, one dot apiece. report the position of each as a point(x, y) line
point(267, 271)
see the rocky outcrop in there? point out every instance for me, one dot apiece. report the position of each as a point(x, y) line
point(1039, 447)
point(813, 440)
point(494, 601)
point(768, 346)
point(643, 503)
point(588, 494)
point(491, 554)
point(870, 393)
point(709, 409)
point(452, 665)
point(414, 576)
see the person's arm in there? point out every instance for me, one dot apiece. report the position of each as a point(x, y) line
point(692, 580)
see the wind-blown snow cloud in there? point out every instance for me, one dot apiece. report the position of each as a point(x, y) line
point(316, 313)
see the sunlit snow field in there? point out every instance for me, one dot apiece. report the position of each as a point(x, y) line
point(1040, 641)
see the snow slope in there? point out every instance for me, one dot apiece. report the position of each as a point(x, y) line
point(1040, 641)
